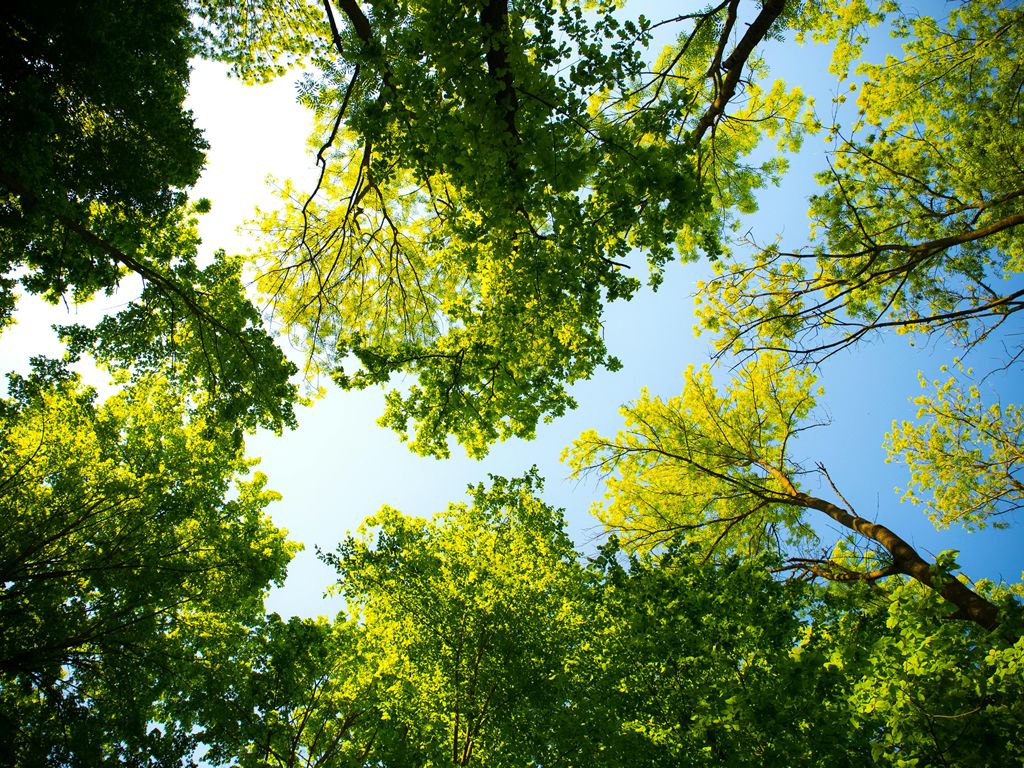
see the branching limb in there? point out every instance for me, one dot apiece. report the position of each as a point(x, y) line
point(725, 87)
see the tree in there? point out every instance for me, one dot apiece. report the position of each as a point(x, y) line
point(716, 468)
point(917, 225)
point(478, 203)
point(208, 333)
point(122, 522)
point(466, 620)
point(96, 146)
point(917, 689)
point(964, 456)
point(97, 152)
point(480, 637)
point(279, 693)
point(452, 657)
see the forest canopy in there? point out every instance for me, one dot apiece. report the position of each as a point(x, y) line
point(491, 179)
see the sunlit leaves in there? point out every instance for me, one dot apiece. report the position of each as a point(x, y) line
point(921, 690)
point(277, 693)
point(916, 226)
point(119, 520)
point(964, 456)
point(465, 619)
point(489, 177)
point(707, 465)
point(259, 40)
point(686, 660)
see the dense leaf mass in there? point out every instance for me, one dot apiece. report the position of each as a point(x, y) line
point(92, 134)
point(489, 175)
point(96, 155)
point(478, 637)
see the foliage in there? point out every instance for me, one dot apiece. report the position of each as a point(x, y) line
point(715, 469)
point(489, 175)
point(922, 691)
point(208, 334)
point(667, 659)
point(465, 620)
point(259, 41)
point(689, 661)
point(278, 693)
point(93, 135)
point(479, 202)
point(96, 151)
point(916, 226)
point(964, 458)
point(121, 520)
point(707, 465)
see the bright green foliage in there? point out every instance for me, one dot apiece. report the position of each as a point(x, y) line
point(479, 638)
point(695, 661)
point(714, 470)
point(707, 465)
point(260, 40)
point(120, 521)
point(489, 175)
point(466, 620)
point(917, 225)
point(278, 693)
point(197, 327)
point(844, 24)
point(965, 459)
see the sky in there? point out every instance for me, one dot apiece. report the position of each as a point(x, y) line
point(338, 466)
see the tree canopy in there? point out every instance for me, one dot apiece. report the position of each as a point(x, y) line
point(479, 637)
point(478, 202)
point(718, 470)
point(917, 222)
point(491, 178)
point(98, 154)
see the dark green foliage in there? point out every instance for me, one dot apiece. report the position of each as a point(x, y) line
point(690, 662)
point(92, 132)
point(96, 152)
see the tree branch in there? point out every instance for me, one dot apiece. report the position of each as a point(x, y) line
point(733, 66)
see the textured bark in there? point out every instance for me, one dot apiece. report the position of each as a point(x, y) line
point(494, 20)
point(905, 559)
point(733, 66)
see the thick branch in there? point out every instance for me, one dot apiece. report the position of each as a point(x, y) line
point(905, 558)
point(166, 285)
point(733, 66)
point(358, 19)
point(926, 249)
